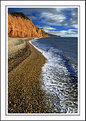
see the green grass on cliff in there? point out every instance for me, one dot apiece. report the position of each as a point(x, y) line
point(22, 15)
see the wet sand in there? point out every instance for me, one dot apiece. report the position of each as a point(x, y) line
point(24, 92)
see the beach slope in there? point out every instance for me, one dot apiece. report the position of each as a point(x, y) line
point(24, 92)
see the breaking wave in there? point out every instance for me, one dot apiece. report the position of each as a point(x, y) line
point(59, 80)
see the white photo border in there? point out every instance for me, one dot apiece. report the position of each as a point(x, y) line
point(5, 42)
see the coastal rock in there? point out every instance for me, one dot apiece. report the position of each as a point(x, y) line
point(21, 26)
point(44, 34)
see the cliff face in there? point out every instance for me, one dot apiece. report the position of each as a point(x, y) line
point(21, 27)
point(44, 34)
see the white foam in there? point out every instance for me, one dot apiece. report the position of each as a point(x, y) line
point(55, 78)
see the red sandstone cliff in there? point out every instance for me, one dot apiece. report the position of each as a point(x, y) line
point(22, 27)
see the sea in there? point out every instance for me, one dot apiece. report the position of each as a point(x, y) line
point(59, 75)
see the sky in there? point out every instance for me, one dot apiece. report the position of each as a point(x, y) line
point(57, 21)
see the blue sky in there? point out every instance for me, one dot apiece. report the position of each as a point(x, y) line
point(57, 21)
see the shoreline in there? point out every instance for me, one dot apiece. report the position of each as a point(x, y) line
point(24, 91)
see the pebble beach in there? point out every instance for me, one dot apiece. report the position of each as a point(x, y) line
point(24, 92)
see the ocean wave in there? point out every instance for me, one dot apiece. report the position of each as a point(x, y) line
point(58, 78)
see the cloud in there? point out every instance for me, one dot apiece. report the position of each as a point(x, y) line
point(74, 18)
point(72, 35)
point(71, 31)
point(58, 21)
point(67, 17)
point(61, 33)
point(52, 18)
point(71, 17)
point(48, 28)
point(65, 33)
point(75, 25)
